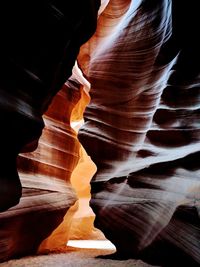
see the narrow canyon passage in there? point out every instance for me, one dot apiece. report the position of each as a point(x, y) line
point(117, 85)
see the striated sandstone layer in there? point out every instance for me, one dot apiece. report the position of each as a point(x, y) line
point(45, 176)
point(35, 63)
point(142, 129)
point(39, 46)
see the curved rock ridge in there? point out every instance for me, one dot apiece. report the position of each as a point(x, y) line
point(49, 202)
point(37, 57)
point(142, 129)
point(82, 226)
point(38, 50)
point(45, 176)
point(125, 86)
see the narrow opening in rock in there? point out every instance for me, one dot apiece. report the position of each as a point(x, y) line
point(82, 233)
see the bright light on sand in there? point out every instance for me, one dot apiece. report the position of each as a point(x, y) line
point(76, 124)
point(94, 244)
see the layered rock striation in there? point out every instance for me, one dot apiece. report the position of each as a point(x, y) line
point(141, 126)
point(39, 45)
point(142, 129)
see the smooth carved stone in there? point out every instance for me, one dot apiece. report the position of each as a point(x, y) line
point(39, 45)
point(82, 226)
point(40, 211)
point(71, 97)
point(33, 71)
point(142, 129)
point(47, 193)
point(45, 175)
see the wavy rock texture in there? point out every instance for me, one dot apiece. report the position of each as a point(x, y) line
point(82, 226)
point(34, 69)
point(45, 176)
point(142, 129)
point(39, 47)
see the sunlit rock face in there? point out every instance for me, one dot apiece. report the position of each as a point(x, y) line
point(51, 165)
point(39, 47)
point(142, 129)
point(82, 226)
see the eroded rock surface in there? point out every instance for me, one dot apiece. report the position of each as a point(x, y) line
point(40, 41)
point(142, 129)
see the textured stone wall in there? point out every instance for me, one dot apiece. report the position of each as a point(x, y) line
point(142, 129)
point(40, 41)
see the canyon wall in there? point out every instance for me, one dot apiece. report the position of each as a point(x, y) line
point(40, 41)
point(142, 129)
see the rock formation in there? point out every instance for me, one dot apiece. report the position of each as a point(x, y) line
point(82, 226)
point(141, 126)
point(39, 46)
point(142, 129)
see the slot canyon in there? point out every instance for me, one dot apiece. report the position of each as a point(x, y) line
point(100, 131)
